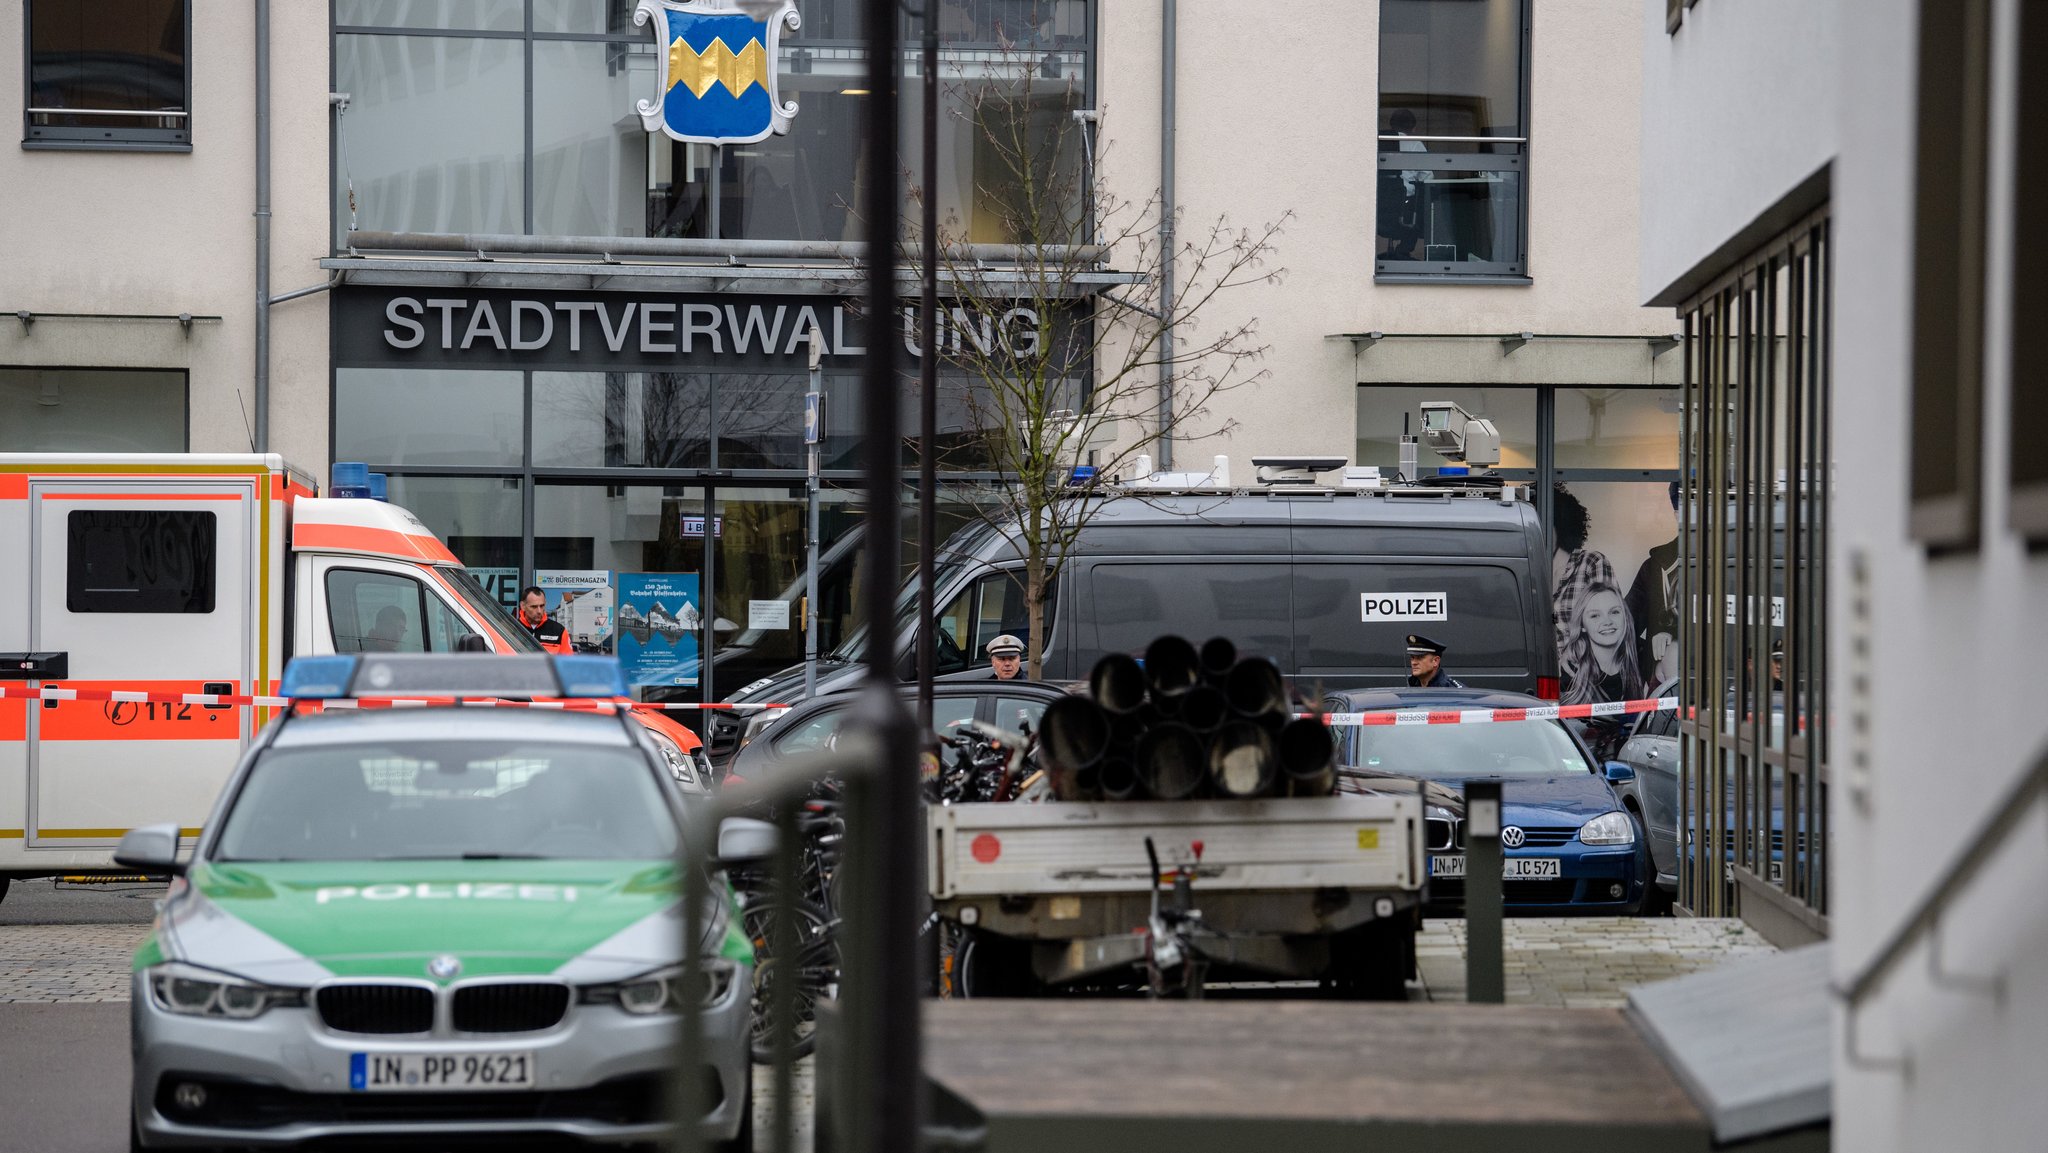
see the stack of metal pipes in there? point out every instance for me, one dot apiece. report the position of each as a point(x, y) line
point(1185, 723)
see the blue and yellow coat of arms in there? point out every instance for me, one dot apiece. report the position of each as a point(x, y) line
point(717, 69)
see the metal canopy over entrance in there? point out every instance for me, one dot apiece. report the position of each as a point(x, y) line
point(661, 264)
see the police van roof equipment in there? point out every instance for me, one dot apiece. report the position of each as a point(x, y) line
point(1455, 434)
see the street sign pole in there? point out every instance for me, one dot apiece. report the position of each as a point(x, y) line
point(814, 435)
point(883, 1090)
point(928, 385)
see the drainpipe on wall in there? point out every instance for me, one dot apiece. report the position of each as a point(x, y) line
point(1168, 53)
point(261, 433)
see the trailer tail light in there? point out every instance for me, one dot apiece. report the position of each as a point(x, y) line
point(1549, 688)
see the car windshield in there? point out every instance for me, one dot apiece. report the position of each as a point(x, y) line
point(486, 606)
point(449, 800)
point(1459, 752)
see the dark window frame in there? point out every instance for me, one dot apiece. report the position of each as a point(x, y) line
point(2026, 474)
point(1951, 180)
point(1464, 271)
point(184, 385)
point(100, 138)
point(1758, 362)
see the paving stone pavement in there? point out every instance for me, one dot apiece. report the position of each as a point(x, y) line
point(80, 963)
point(1584, 962)
point(1574, 962)
point(67, 962)
point(1569, 962)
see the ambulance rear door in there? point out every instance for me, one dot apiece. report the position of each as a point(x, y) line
point(146, 585)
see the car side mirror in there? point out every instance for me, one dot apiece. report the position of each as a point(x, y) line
point(471, 643)
point(153, 849)
point(1619, 773)
point(743, 839)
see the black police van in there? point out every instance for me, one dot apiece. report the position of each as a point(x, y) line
point(1327, 582)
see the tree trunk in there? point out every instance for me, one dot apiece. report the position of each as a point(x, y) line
point(1034, 596)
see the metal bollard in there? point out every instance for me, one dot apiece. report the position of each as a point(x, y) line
point(1485, 981)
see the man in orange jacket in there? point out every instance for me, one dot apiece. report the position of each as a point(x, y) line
point(533, 616)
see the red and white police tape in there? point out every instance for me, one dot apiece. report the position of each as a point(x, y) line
point(1497, 716)
point(1380, 717)
point(225, 700)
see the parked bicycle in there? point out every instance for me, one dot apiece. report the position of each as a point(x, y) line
point(813, 967)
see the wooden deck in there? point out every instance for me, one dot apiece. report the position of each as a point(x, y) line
point(1082, 1076)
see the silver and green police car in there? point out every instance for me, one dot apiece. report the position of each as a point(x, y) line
point(436, 923)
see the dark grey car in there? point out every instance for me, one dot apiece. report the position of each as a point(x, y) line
point(816, 723)
point(1652, 751)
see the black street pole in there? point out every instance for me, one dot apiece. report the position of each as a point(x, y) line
point(883, 835)
point(928, 382)
point(1485, 979)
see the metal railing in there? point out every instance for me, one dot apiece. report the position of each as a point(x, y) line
point(1982, 845)
point(167, 113)
point(1458, 139)
point(724, 251)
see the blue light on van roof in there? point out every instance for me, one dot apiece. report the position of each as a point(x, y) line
point(318, 678)
point(378, 482)
point(590, 676)
point(351, 479)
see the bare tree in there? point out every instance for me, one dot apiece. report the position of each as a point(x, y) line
point(1061, 357)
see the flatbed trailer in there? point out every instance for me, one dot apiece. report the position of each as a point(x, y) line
point(1049, 894)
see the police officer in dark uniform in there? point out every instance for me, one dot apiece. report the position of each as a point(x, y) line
point(1426, 665)
point(534, 618)
point(1006, 658)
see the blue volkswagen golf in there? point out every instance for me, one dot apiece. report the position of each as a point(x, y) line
point(1570, 842)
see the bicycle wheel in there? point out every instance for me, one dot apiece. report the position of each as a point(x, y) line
point(814, 969)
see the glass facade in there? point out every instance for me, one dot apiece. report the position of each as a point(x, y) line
point(483, 117)
point(641, 454)
point(1753, 626)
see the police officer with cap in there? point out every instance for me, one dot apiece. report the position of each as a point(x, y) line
point(1426, 665)
point(1006, 657)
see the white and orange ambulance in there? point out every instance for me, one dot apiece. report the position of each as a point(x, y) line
point(172, 574)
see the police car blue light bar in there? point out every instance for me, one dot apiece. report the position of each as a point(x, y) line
point(318, 678)
point(584, 675)
point(445, 675)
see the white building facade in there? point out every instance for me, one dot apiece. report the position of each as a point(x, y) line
point(1902, 140)
point(1458, 181)
point(1460, 224)
point(130, 279)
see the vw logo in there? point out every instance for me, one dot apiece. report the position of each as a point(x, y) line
point(444, 966)
point(1512, 836)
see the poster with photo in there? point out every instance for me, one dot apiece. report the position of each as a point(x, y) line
point(581, 599)
point(1614, 589)
point(656, 627)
